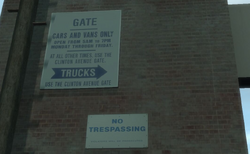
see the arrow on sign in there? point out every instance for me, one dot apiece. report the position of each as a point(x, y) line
point(87, 72)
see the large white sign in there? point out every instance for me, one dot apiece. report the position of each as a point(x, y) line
point(82, 50)
point(117, 131)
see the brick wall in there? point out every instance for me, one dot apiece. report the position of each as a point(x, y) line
point(7, 23)
point(176, 63)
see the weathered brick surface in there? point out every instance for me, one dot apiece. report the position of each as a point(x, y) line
point(7, 23)
point(176, 64)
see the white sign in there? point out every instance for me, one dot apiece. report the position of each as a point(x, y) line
point(117, 131)
point(82, 50)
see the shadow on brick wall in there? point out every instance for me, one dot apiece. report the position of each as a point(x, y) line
point(26, 125)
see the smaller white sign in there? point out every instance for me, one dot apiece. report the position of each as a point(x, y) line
point(117, 131)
